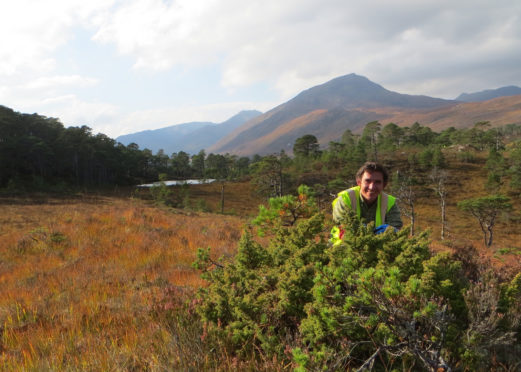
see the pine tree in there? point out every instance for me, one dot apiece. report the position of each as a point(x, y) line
point(486, 209)
point(515, 168)
point(496, 170)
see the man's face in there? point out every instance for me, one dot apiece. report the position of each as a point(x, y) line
point(371, 185)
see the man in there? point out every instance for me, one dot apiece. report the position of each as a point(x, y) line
point(368, 201)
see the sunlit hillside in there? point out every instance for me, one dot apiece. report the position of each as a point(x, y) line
point(499, 111)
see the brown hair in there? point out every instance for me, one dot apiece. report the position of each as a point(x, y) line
point(371, 167)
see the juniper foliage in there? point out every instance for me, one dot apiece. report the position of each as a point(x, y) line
point(383, 300)
point(380, 302)
point(257, 300)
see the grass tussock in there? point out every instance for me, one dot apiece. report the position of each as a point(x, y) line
point(88, 286)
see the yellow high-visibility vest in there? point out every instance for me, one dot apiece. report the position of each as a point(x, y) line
point(351, 199)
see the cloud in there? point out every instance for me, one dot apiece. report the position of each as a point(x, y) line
point(50, 95)
point(54, 82)
point(160, 35)
point(75, 112)
point(31, 30)
point(295, 44)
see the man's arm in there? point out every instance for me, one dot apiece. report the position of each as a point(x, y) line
point(393, 217)
point(339, 209)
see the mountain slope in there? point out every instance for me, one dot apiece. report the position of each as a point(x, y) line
point(163, 138)
point(326, 111)
point(499, 111)
point(488, 94)
point(188, 137)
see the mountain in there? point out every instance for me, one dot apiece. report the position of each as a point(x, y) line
point(354, 91)
point(188, 137)
point(488, 94)
point(326, 111)
point(164, 138)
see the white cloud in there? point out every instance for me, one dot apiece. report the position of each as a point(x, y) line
point(294, 44)
point(31, 30)
point(53, 82)
point(46, 93)
point(160, 34)
point(72, 111)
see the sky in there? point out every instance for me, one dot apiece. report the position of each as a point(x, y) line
point(123, 66)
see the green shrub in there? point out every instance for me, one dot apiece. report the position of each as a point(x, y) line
point(201, 206)
point(374, 301)
point(160, 191)
point(258, 299)
point(384, 300)
point(492, 338)
point(466, 157)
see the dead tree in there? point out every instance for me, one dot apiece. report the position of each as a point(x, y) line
point(404, 191)
point(439, 184)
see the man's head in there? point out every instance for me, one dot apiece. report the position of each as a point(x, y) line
point(372, 179)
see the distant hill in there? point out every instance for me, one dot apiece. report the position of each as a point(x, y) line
point(499, 111)
point(189, 137)
point(488, 94)
point(326, 111)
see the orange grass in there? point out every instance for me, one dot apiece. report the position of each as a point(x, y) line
point(78, 281)
point(239, 197)
point(462, 229)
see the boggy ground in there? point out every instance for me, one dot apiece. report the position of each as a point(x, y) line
point(80, 279)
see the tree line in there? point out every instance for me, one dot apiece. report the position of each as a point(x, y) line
point(407, 150)
point(38, 152)
point(425, 150)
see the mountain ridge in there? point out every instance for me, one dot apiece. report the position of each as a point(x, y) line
point(188, 137)
point(489, 94)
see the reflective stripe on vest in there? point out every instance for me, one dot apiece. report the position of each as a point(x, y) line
point(335, 236)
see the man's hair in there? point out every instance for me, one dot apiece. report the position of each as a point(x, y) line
point(371, 167)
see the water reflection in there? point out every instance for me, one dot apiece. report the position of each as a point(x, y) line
point(179, 182)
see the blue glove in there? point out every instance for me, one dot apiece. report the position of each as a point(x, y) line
point(381, 229)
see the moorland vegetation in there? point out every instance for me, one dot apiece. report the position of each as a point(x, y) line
point(92, 282)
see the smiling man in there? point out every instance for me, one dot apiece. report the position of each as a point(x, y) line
point(368, 200)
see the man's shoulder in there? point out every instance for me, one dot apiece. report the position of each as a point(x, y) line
point(354, 188)
point(390, 196)
point(346, 191)
point(351, 188)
